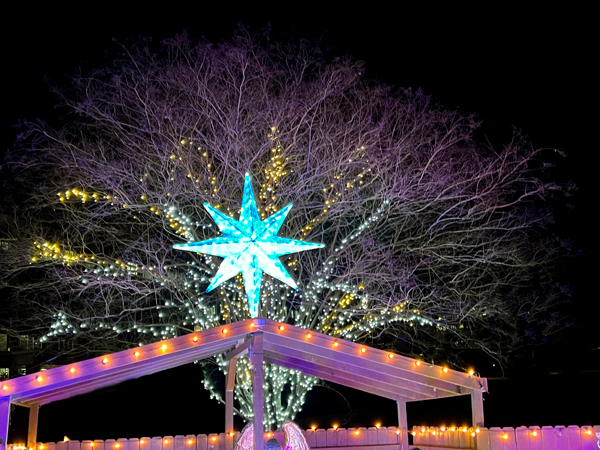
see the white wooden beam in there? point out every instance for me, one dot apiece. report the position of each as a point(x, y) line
point(229, 390)
point(375, 355)
point(33, 423)
point(240, 350)
point(387, 378)
point(256, 358)
point(4, 420)
point(348, 379)
point(60, 383)
point(477, 408)
point(402, 423)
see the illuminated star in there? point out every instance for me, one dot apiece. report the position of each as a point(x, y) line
point(249, 246)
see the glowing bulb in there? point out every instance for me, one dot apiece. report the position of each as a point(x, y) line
point(163, 347)
point(195, 339)
point(417, 363)
point(224, 331)
point(313, 427)
point(390, 355)
point(363, 350)
point(231, 433)
point(39, 378)
point(505, 436)
point(5, 388)
point(335, 344)
point(398, 432)
point(464, 429)
point(72, 370)
point(166, 441)
point(473, 433)
point(335, 427)
point(91, 444)
point(281, 328)
point(471, 372)
point(66, 439)
point(142, 441)
point(589, 432)
point(422, 430)
point(413, 433)
point(190, 442)
point(377, 425)
point(117, 445)
point(477, 430)
point(357, 432)
point(105, 360)
point(534, 433)
point(214, 438)
point(136, 354)
point(308, 335)
point(445, 369)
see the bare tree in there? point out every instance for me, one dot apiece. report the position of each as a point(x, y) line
point(431, 240)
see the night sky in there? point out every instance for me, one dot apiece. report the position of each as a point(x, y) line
point(531, 69)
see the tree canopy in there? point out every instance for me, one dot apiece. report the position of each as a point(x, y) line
point(434, 243)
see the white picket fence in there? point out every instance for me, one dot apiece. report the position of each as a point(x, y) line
point(521, 438)
point(373, 438)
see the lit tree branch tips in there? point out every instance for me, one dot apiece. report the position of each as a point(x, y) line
point(431, 242)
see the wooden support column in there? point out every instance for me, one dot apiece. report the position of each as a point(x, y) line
point(33, 422)
point(402, 423)
point(256, 357)
point(477, 408)
point(229, 389)
point(4, 420)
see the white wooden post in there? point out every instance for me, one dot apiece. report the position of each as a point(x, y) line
point(402, 423)
point(477, 408)
point(256, 356)
point(33, 422)
point(4, 420)
point(229, 389)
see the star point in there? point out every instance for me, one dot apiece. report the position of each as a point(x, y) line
point(249, 246)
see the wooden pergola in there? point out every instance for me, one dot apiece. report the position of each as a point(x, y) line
point(332, 359)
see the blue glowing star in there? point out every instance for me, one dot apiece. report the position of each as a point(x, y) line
point(250, 246)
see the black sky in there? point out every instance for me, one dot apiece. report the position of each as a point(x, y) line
point(533, 69)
